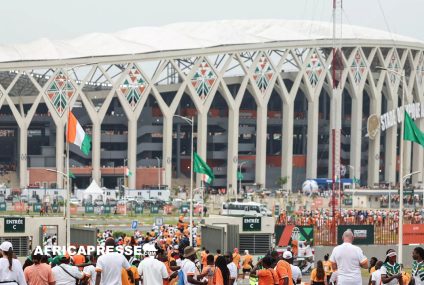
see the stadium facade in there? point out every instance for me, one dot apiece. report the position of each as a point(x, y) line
point(260, 93)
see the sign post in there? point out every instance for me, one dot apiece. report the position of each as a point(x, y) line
point(252, 224)
point(14, 225)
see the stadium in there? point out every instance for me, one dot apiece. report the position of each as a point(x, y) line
point(259, 93)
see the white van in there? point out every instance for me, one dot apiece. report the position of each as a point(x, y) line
point(244, 209)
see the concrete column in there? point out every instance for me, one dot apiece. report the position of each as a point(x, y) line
point(390, 153)
point(60, 151)
point(261, 131)
point(95, 152)
point(335, 123)
point(132, 151)
point(23, 155)
point(356, 137)
point(374, 147)
point(167, 149)
point(417, 161)
point(287, 143)
point(232, 151)
point(202, 140)
point(312, 139)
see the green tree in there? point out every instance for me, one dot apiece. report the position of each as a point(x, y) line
point(281, 181)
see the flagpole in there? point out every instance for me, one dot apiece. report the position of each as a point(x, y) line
point(68, 189)
point(191, 184)
point(402, 130)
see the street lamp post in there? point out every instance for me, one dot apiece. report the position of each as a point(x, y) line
point(67, 206)
point(158, 159)
point(190, 122)
point(402, 130)
point(240, 165)
point(354, 183)
point(125, 174)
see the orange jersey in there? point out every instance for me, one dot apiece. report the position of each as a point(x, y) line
point(247, 260)
point(267, 277)
point(284, 271)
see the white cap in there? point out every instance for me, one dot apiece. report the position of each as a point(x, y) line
point(287, 255)
point(5, 246)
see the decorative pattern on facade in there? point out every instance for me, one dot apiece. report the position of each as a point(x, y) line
point(263, 73)
point(358, 67)
point(60, 92)
point(394, 66)
point(314, 69)
point(133, 86)
point(420, 70)
point(203, 80)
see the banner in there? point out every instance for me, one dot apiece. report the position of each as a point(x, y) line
point(19, 206)
point(121, 209)
point(285, 234)
point(413, 234)
point(74, 210)
point(363, 234)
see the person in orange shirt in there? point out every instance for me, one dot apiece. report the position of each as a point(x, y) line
point(295, 247)
point(125, 278)
point(267, 275)
point(327, 267)
point(222, 273)
point(78, 259)
point(247, 263)
point(318, 275)
point(236, 258)
point(208, 270)
point(284, 273)
point(204, 254)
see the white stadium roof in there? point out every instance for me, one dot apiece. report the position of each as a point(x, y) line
point(187, 36)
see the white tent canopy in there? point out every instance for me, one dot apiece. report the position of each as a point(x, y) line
point(186, 36)
point(93, 191)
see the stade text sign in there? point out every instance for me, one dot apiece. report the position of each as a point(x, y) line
point(395, 116)
point(14, 225)
point(252, 224)
point(363, 234)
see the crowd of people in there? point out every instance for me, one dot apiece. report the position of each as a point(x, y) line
point(180, 263)
point(324, 217)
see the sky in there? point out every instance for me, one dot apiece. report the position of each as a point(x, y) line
point(27, 20)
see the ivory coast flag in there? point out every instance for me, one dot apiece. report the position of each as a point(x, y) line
point(77, 136)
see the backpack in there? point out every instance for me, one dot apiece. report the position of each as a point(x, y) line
point(181, 277)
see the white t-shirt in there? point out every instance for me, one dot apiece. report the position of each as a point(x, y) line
point(16, 274)
point(152, 271)
point(296, 273)
point(189, 268)
point(233, 271)
point(90, 271)
point(63, 278)
point(111, 265)
point(376, 276)
point(348, 258)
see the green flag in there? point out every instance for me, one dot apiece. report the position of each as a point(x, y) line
point(199, 166)
point(239, 175)
point(71, 175)
point(412, 132)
